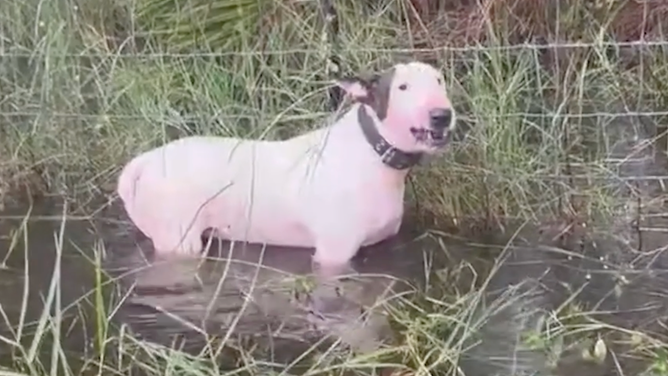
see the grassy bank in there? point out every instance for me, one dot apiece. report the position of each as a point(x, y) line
point(84, 86)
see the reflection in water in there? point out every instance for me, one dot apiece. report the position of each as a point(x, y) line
point(264, 292)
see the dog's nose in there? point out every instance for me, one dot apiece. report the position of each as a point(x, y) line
point(440, 117)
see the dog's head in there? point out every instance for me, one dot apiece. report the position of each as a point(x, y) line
point(412, 103)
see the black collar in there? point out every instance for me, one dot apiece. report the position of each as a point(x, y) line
point(391, 156)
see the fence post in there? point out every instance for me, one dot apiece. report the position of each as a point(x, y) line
point(333, 63)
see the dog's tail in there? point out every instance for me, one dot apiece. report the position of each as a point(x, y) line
point(127, 180)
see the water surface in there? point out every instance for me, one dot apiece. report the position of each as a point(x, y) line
point(184, 302)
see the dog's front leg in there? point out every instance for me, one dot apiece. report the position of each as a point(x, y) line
point(332, 257)
point(330, 261)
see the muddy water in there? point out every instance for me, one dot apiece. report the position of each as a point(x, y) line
point(184, 302)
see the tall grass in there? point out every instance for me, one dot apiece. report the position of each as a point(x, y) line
point(84, 86)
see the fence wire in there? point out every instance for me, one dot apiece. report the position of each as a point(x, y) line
point(642, 44)
point(623, 141)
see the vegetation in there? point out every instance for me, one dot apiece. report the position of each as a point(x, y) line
point(86, 85)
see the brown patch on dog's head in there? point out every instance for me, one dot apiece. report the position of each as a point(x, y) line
point(374, 91)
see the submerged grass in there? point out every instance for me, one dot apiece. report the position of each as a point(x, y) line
point(432, 328)
point(439, 327)
point(84, 86)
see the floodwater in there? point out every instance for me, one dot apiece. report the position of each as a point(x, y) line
point(175, 302)
point(618, 271)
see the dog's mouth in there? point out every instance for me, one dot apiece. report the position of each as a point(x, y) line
point(432, 137)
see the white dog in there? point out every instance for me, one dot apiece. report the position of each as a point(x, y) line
point(335, 189)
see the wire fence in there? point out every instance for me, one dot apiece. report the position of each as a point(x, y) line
point(317, 114)
point(629, 133)
point(641, 44)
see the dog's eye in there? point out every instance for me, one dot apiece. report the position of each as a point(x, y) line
point(440, 81)
point(403, 87)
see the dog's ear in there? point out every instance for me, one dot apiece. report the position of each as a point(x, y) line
point(358, 88)
point(373, 79)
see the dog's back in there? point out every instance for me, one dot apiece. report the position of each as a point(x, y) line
point(219, 181)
